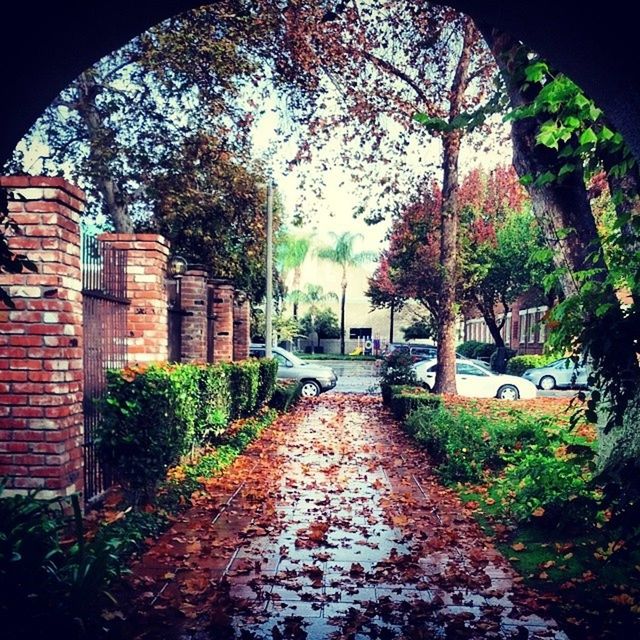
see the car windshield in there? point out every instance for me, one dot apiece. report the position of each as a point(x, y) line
point(291, 357)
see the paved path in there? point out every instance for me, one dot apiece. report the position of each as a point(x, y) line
point(331, 527)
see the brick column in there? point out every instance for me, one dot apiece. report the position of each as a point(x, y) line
point(193, 287)
point(222, 320)
point(241, 327)
point(41, 426)
point(147, 255)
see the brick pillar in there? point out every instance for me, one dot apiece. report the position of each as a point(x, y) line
point(241, 327)
point(222, 320)
point(147, 322)
point(41, 378)
point(193, 287)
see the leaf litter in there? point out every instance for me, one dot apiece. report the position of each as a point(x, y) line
point(331, 525)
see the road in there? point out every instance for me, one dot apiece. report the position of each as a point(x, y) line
point(362, 376)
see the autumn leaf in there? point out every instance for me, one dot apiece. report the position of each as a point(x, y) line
point(518, 546)
point(537, 513)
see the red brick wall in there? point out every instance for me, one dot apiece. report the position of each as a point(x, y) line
point(223, 320)
point(41, 343)
point(194, 326)
point(241, 328)
point(147, 255)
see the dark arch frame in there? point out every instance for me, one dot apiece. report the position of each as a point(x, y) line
point(45, 45)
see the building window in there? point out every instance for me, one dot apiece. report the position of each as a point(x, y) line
point(523, 327)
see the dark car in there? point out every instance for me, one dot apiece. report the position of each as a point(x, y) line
point(314, 378)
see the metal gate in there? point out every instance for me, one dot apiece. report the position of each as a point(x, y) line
point(210, 323)
point(175, 315)
point(104, 304)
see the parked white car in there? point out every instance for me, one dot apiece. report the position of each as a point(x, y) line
point(473, 381)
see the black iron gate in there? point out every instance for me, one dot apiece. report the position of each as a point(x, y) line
point(210, 323)
point(175, 316)
point(104, 304)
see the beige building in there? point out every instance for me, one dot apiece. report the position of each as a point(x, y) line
point(358, 312)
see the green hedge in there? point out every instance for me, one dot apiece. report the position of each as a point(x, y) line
point(476, 349)
point(285, 395)
point(406, 399)
point(153, 415)
point(519, 364)
point(466, 444)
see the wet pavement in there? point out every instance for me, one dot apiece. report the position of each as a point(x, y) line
point(332, 527)
point(357, 376)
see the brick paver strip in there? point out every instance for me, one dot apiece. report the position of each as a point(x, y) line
point(332, 526)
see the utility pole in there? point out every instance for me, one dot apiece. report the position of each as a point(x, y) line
point(269, 304)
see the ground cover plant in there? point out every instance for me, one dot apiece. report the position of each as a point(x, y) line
point(532, 483)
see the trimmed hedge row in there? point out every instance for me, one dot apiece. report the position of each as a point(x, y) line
point(154, 414)
point(405, 399)
point(519, 364)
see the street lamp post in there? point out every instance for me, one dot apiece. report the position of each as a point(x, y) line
point(269, 304)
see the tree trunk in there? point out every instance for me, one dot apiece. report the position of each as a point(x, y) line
point(392, 310)
point(99, 148)
point(446, 376)
point(559, 206)
point(295, 285)
point(343, 301)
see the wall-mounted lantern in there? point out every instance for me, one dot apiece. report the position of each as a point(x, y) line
point(177, 267)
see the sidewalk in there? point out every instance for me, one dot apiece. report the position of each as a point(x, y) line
point(330, 527)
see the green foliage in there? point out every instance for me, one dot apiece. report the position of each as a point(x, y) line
point(396, 369)
point(244, 381)
point(45, 584)
point(267, 375)
point(152, 416)
point(230, 446)
point(406, 399)
point(476, 349)
point(285, 395)
point(324, 321)
point(10, 262)
point(419, 330)
point(519, 364)
point(555, 492)
point(467, 444)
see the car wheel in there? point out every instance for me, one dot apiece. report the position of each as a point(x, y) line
point(310, 389)
point(547, 383)
point(508, 392)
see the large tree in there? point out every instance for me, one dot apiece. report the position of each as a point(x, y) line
point(291, 252)
point(343, 253)
point(211, 206)
point(116, 127)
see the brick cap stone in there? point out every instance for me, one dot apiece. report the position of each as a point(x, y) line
point(42, 182)
point(221, 282)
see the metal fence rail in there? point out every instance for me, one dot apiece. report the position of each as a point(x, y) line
point(104, 301)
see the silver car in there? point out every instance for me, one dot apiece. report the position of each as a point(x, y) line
point(314, 378)
point(561, 373)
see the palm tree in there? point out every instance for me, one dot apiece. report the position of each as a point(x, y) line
point(343, 254)
point(291, 253)
point(313, 296)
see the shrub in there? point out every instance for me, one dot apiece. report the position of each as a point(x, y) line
point(405, 399)
point(476, 349)
point(396, 370)
point(268, 373)
point(455, 442)
point(244, 381)
point(46, 587)
point(519, 364)
point(153, 415)
point(467, 444)
point(552, 491)
point(285, 395)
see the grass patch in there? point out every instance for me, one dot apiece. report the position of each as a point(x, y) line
point(529, 481)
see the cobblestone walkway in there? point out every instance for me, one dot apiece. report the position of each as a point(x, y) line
point(331, 527)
